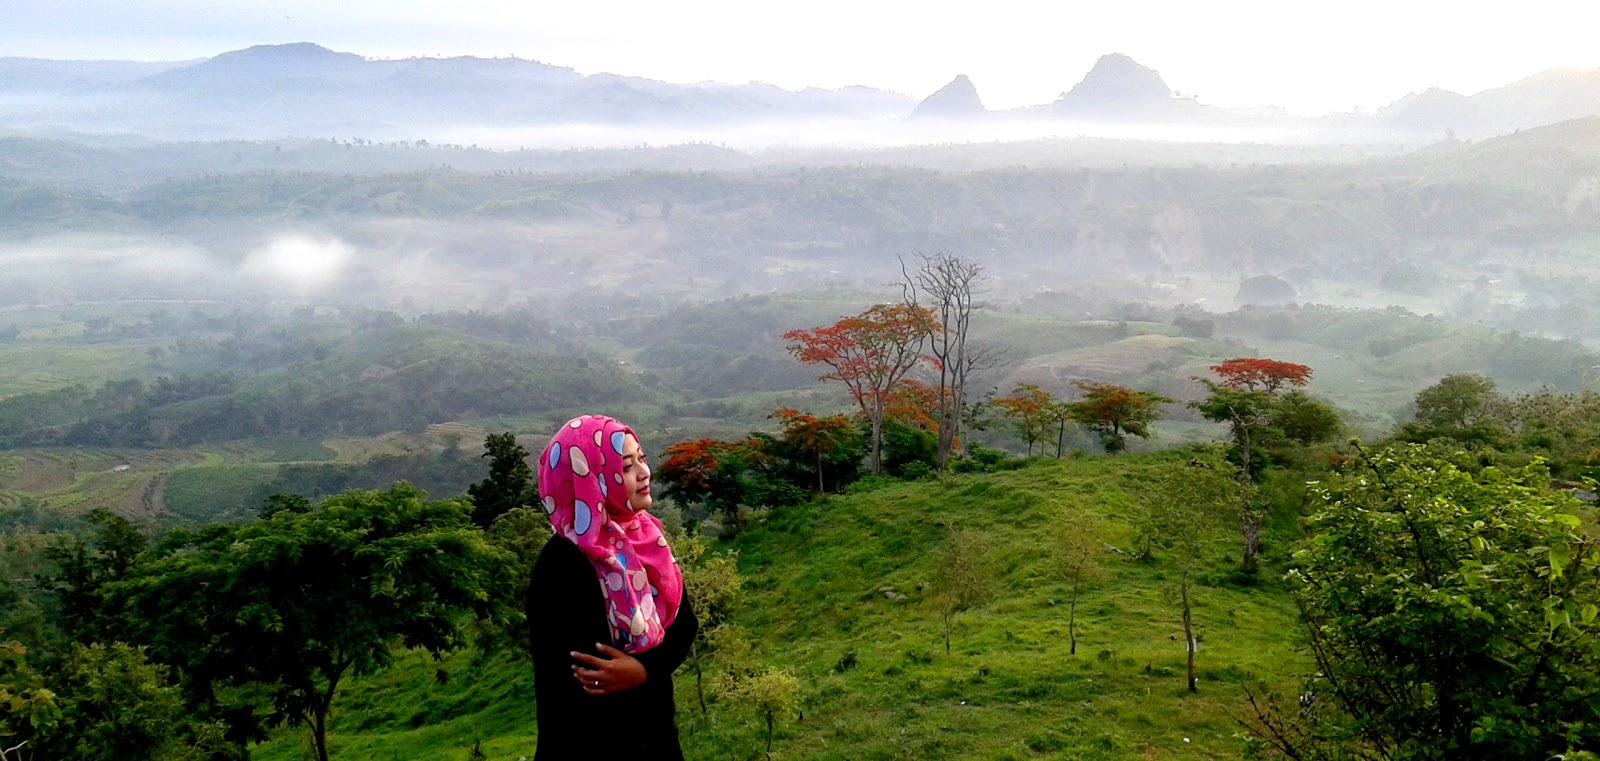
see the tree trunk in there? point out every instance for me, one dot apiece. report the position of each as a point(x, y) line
point(319, 727)
point(1249, 520)
point(947, 439)
point(1072, 620)
point(1250, 529)
point(699, 679)
point(319, 733)
point(945, 613)
point(949, 417)
point(769, 736)
point(1188, 626)
point(877, 437)
point(1061, 437)
point(820, 488)
point(1072, 607)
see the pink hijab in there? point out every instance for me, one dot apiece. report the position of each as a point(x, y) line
point(580, 485)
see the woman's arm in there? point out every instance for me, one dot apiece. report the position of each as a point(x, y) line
point(663, 659)
point(566, 613)
point(614, 670)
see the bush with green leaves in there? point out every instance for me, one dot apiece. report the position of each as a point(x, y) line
point(773, 692)
point(28, 709)
point(1451, 612)
point(906, 447)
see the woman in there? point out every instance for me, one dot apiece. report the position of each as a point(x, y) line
point(609, 617)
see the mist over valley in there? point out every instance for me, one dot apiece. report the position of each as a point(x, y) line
point(281, 328)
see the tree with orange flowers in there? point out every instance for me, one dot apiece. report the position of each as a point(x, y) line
point(831, 444)
point(1260, 374)
point(916, 404)
point(726, 475)
point(870, 353)
point(709, 472)
point(1111, 411)
point(1246, 398)
point(1032, 410)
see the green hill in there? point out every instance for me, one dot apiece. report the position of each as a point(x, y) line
point(837, 593)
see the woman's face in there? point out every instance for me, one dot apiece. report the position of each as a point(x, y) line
point(635, 475)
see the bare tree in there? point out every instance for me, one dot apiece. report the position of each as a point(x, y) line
point(1079, 567)
point(948, 283)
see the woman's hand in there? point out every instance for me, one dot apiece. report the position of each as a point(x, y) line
point(615, 672)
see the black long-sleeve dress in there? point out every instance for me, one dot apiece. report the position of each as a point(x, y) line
point(566, 613)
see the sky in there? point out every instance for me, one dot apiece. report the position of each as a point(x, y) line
point(1308, 56)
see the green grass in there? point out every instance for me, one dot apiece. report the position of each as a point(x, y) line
point(212, 492)
point(877, 682)
point(409, 713)
point(293, 449)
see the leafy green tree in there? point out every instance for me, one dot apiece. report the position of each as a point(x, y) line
point(28, 709)
point(908, 451)
point(743, 679)
point(521, 531)
point(277, 503)
point(115, 706)
point(1182, 503)
point(1451, 614)
point(299, 601)
point(1248, 415)
point(510, 484)
point(1304, 419)
point(1457, 402)
point(962, 579)
point(84, 567)
point(98, 702)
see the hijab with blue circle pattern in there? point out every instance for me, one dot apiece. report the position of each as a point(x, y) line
point(580, 487)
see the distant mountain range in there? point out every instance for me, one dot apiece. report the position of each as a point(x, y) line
point(305, 90)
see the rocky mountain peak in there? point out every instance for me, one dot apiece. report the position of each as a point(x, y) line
point(1117, 82)
point(957, 99)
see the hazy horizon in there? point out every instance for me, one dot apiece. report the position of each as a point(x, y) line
point(1308, 60)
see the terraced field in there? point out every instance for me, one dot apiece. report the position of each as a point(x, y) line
point(1117, 360)
point(46, 366)
point(75, 481)
point(361, 449)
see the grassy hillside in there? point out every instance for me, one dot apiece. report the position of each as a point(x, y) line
point(877, 682)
